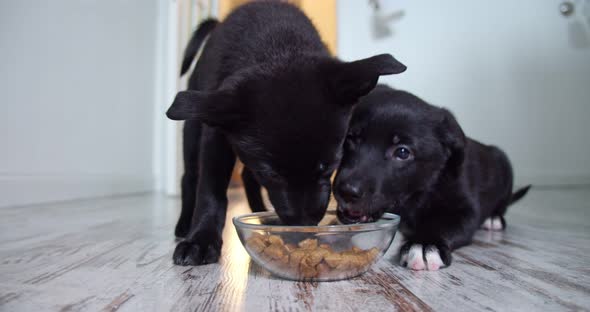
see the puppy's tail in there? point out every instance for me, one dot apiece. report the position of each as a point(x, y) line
point(195, 43)
point(516, 196)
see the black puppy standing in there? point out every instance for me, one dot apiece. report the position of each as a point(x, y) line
point(267, 90)
point(405, 156)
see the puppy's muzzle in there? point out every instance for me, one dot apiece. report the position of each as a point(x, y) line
point(349, 192)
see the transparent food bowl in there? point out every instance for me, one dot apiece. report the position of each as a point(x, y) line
point(327, 252)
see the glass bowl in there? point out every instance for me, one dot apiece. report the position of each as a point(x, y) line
point(327, 252)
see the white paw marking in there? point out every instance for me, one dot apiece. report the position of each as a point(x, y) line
point(433, 260)
point(496, 224)
point(414, 258)
point(492, 224)
point(487, 224)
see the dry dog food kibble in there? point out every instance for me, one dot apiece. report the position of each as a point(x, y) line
point(308, 259)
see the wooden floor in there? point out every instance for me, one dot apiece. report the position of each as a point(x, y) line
point(114, 254)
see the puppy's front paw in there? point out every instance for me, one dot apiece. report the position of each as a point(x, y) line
point(420, 257)
point(493, 224)
point(197, 252)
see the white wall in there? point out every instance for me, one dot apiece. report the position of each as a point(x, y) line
point(77, 98)
point(509, 70)
point(182, 19)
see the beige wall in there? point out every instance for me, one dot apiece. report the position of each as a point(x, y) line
point(321, 12)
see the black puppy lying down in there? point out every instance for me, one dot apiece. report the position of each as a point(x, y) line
point(265, 89)
point(405, 156)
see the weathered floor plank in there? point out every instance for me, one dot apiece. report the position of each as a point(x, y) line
point(114, 254)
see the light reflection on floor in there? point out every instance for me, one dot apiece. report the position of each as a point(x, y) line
point(236, 261)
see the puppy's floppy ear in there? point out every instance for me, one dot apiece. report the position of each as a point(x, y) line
point(214, 108)
point(452, 137)
point(352, 80)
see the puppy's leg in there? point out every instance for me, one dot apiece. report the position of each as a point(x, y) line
point(203, 243)
point(430, 246)
point(190, 144)
point(253, 189)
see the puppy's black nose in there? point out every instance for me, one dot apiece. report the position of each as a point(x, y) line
point(350, 192)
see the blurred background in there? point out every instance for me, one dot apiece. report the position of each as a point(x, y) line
point(84, 84)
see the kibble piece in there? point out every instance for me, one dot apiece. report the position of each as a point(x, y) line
point(308, 243)
point(308, 260)
point(345, 265)
point(285, 259)
point(308, 271)
point(290, 247)
point(333, 259)
point(275, 239)
point(358, 261)
point(295, 257)
point(323, 269)
point(275, 251)
point(256, 243)
point(317, 255)
point(372, 254)
point(307, 268)
point(351, 260)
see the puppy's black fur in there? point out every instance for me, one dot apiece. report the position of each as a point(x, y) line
point(405, 156)
point(265, 89)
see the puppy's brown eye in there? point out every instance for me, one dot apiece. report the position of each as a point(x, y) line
point(402, 153)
